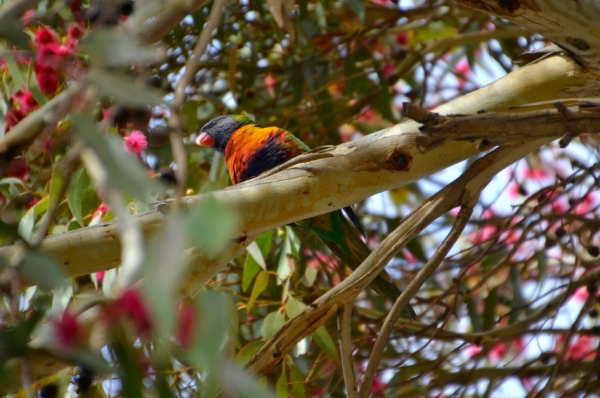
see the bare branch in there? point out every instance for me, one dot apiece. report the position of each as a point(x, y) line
point(344, 331)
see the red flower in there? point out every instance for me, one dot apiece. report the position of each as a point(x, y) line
point(32, 203)
point(498, 351)
point(17, 168)
point(131, 306)
point(45, 36)
point(48, 82)
point(187, 317)
point(67, 330)
point(136, 142)
point(402, 38)
point(75, 32)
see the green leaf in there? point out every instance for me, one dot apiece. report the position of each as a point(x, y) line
point(476, 321)
point(518, 300)
point(262, 281)
point(26, 224)
point(251, 268)
point(237, 383)
point(255, 252)
point(281, 387)
point(326, 343)
point(107, 47)
point(57, 188)
point(39, 269)
point(11, 181)
point(310, 276)
point(189, 114)
point(404, 372)
point(92, 361)
point(297, 380)
point(359, 7)
point(272, 323)
point(215, 311)
point(80, 183)
point(248, 351)
point(383, 103)
point(18, 77)
point(209, 224)
point(125, 90)
point(294, 307)
point(489, 311)
point(415, 247)
point(542, 267)
point(494, 258)
point(12, 30)
point(163, 271)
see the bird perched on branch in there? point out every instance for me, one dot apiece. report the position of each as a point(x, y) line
point(250, 150)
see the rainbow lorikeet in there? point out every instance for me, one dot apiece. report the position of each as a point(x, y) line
point(250, 150)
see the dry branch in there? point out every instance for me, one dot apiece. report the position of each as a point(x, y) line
point(498, 128)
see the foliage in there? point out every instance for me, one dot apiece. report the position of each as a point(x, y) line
point(514, 302)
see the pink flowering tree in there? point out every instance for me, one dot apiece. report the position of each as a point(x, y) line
point(128, 269)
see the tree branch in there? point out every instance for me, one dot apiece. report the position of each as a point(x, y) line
point(345, 334)
point(565, 23)
point(498, 128)
point(349, 173)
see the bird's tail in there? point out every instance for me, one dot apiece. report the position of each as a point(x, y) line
point(383, 283)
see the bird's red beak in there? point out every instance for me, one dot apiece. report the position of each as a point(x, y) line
point(205, 140)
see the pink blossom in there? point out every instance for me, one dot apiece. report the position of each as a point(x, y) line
point(101, 211)
point(411, 258)
point(187, 317)
point(136, 142)
point(270, 83)
point(402, 38)
point(67, 330)
point(45, 36)
point(75, 32)
point(100, 276)
point(131, 306)
point(498, 351)
point(473, 350)
point(583, 347)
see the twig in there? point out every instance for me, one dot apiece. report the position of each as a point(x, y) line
point(191, 67)
point(67, 164)
point(344, 331)
point(413, 287)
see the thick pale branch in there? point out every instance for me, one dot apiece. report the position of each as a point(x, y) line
point(349, 173)
point(569, 24)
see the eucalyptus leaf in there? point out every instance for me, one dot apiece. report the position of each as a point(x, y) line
point(272, 323)
point(209, 224)
point(39, 269)
point(126, 90)
point(115, 47)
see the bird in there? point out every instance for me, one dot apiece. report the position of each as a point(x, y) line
point(250, 149)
